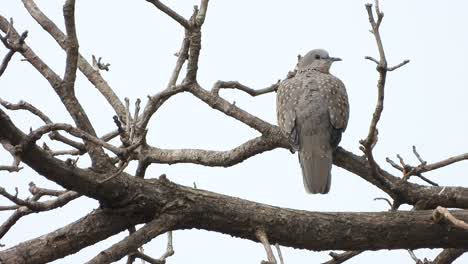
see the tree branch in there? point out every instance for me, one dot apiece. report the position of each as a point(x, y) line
point(147, 258)
point(157, 100)
point(236, 85)
point(32, 206)
point(14, 167)
point(22, 105)
point(131, 243)
point(232, 110)
point(41, 206)
point(293, 228)
point(67, 97)
point(369, 142)
point(171, 13)
point(261, 235)
point(61, 173)
point(442, 213)
point(72, 45)
point(12, 46)
point(200, 18)
point(91, 74)
point(342, 257)
point(448, 256)
point(211, 158)
point(69, 239)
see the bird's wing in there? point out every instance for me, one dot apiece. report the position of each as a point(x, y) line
point(286, 101)
point(338, 107)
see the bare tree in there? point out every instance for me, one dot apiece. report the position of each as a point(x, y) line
point(128, 199)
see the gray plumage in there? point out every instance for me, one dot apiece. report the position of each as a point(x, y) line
point(312, 111)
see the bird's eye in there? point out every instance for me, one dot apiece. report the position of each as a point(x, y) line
point(317, 57)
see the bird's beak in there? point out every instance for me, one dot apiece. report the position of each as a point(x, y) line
point(334, 59)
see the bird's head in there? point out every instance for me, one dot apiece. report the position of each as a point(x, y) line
point(317, 59)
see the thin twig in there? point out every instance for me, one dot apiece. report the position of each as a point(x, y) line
point(98, 65)
point(371, 139)
point(12, 46)
point(372, 59)
point(338, 258)
point(60, 201)
point(384, 199)
point(14, 152)
point(22, 105)
point(38, 133)
point(8, 207)
point(147, 258)
point(403, 63)
point(10, 168)
point(135, 120)
point(236, 85)
point(415, 258)
point(408, 170)
point(369, 142)
point(262, 237)
point(416, 153)
point(182, 56)
point(171, 13)
point(169, 249)
point(38, 206)
point(280, 256)
point(442, 163)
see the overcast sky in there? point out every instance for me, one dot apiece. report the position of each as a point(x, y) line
point(255, 43)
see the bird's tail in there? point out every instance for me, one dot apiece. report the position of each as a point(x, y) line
point(315, 157)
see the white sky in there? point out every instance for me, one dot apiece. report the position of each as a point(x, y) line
point(256, 43)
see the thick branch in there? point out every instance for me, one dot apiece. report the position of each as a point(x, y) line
point(85, 181)
point(87, 231)
point(292, 228)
